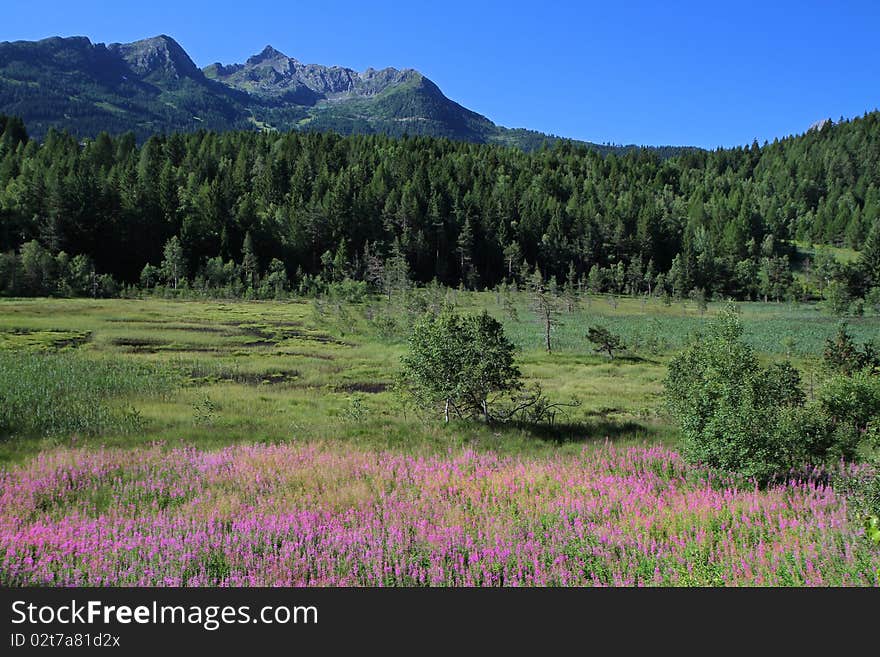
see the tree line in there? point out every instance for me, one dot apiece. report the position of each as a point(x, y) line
point(260, 212)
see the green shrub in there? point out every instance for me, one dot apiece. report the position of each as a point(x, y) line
point(862, 490)
point(458, 365)
point(853, 404)
point(348, 290)
point(737, 415)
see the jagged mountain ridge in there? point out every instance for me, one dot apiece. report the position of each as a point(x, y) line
point(152, 85)
point(272, 74)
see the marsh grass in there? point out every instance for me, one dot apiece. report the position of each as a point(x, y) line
point(209, 374)
point(70, 394)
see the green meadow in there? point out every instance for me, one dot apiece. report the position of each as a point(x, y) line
point(209, 373)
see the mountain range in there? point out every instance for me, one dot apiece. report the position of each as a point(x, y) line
point(153, 86)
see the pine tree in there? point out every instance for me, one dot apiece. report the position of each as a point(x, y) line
point(465, 254)
point(396, 274)
point(870, 257)
point(249, 263)
point(545, 305)
point(570, 289)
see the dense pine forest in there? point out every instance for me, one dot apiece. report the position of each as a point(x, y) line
point(244, 210)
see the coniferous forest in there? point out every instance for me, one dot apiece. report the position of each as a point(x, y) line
point(234, 210)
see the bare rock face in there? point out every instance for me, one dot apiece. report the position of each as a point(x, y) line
point(272, 74)
point(818, 126)
point(158, 57)
point(327, 80)
point(269, 54)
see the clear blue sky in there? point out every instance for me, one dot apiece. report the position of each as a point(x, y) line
point(665, 72)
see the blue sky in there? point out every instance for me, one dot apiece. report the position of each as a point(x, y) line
point(698, 73)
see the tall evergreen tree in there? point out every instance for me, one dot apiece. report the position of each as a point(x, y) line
point(249, 263)
point(870, 256)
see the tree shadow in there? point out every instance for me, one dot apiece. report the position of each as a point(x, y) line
point(627, 358)
point(633, 358)
point(589, 431)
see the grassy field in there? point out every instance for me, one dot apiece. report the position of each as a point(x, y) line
point(842, 254)
point(187, 415)
point(214, 373)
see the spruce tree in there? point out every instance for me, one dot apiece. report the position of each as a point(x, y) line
point(870, 257)
point(249, 263)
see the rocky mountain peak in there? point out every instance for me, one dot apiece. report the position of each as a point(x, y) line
point(152, 85)
point(267, 54)
point(157, 56)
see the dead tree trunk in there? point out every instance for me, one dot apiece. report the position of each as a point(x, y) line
point(547, 323)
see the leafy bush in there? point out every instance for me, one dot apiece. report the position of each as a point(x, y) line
point(348, 290)
point(853, 405)
point(837, 298)
point(862, 490)
point(737, 415)
point(460, 364)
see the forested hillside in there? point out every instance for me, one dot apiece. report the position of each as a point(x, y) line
point(722, 222)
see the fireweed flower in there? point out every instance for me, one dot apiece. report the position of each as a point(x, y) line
point(316, 515)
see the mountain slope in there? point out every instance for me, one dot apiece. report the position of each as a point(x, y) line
point(152, 86)
point(387, 101)
point(72, 84)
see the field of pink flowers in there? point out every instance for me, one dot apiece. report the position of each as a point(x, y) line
point(318, 515)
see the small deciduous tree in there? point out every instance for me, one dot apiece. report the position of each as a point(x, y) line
point(596, 280)
point(82, 274)
point(149, 276)
point(173, 263)
point(460, 364)
point(775, 277)
point(853, 404)
point(373, 267)
point(37, 266)
point(512, 259)
point(276, 277)
point(837, 298)
point(395, 272)
point(698, 296)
